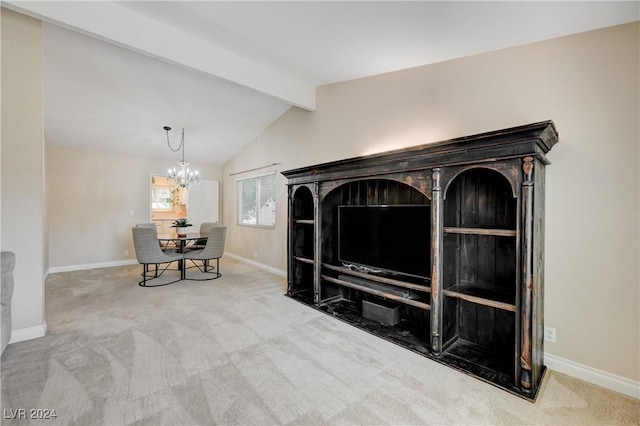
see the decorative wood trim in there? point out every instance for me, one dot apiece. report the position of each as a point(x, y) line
point(317, 242)
point(437, 245)
point(526, 328)
point(532, 139)
point(290, 207)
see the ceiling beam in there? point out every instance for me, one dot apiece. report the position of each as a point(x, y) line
point(129, 29)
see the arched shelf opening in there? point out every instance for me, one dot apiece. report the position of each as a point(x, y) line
point(486, 171)
point(366, 192)
point(480, 270)
point(302, 244)
point(376, 254)
point(480, 198)
point(302, 204)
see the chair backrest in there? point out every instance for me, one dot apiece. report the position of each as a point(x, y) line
point(145, 242)
point(215, 243)
point(147, 225)
point(205, 227)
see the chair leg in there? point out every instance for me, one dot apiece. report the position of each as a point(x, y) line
point(206, 268)
point(157, 274)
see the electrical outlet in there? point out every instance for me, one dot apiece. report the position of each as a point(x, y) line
point(126, 253)
point(550, 334)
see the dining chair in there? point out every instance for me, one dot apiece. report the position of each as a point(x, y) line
point(153, 226)
point(214, 249)
point(205, 227)
point(148, 252)
point(147, 225)
point(168, 245)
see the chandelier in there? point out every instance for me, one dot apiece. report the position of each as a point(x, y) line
point(183, 176)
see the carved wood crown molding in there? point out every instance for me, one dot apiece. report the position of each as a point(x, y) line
point(530, 140)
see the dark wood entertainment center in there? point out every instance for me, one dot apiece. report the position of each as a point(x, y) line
point(479, 308)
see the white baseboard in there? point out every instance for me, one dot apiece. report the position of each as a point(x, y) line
point(84, 266)
point(271, 269)
point(28, 333)
point(593, 375)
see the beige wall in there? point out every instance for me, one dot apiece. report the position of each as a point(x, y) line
point(22, 174)
point(587, 83)
point(89, 199)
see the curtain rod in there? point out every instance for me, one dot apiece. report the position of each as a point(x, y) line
point(253, 170)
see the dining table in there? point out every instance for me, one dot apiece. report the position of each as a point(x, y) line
point(181, 242)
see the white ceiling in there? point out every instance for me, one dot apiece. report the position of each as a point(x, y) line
point(105, 98)
point(119, 71)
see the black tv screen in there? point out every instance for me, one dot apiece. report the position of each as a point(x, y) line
point(393, 238)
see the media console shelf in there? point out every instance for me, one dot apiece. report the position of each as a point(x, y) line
point(438, 248)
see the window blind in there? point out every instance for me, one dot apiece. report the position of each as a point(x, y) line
point(257, 201)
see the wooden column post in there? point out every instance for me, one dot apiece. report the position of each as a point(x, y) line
point(289, 242)
point(526, 309)
point(436, 263)
point(317, 243)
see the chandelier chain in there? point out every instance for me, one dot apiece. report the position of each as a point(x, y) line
point(182, 176)
point(179, 146)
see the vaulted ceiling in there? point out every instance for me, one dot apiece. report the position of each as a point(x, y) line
point(115, 73)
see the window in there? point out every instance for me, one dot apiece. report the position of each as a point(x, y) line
point(161, 198)
point(257, 201)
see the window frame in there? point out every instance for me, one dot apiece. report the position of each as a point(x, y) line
point(239, 211)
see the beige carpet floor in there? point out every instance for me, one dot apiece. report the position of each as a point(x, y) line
point(236, 351)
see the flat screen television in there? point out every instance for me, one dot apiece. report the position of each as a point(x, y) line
point(392, 239)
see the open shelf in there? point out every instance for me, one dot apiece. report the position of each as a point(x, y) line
point(494, 232)
point(411, 332)
point(300, 285)
point(378, 278)
point(302, 295)
point(492, 364)
point(377, 292)
point(304, 259)
point(483, 296)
